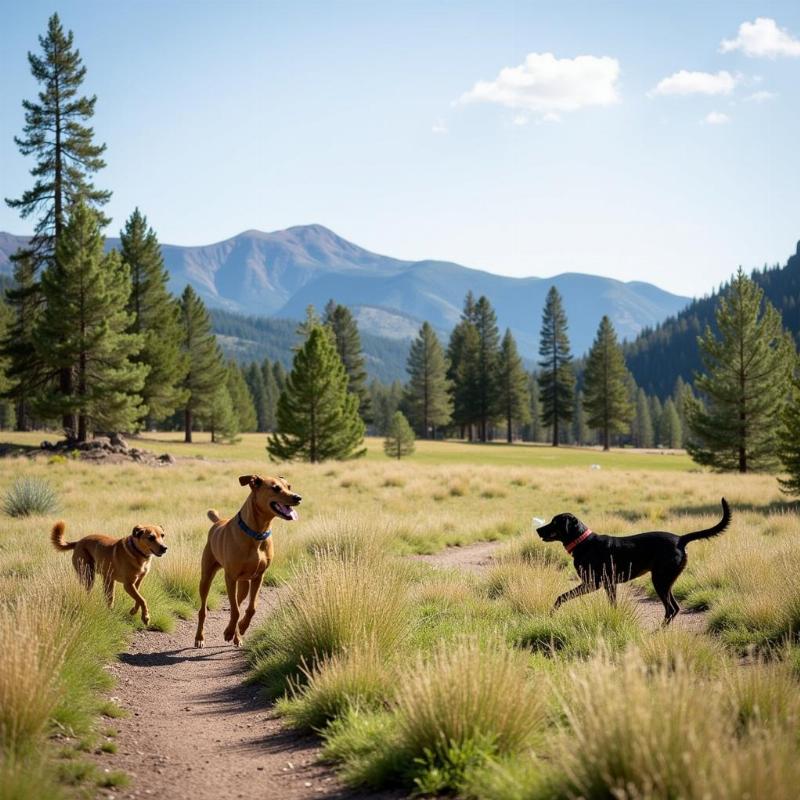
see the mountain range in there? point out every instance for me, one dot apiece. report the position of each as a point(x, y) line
point(279, 274)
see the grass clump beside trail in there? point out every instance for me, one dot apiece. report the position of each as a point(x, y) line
point(29, 496)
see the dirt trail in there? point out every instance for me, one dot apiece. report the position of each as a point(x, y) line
point(480, 556)
point(195, 730)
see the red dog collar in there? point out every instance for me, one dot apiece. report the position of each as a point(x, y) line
point(570, 546)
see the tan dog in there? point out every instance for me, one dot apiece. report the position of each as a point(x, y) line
point(242, 547)
point(125, 560)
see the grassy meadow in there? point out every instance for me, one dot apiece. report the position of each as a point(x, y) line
point(434, 679)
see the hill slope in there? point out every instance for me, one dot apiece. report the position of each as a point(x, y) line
point(280, 273)
point(659, 355)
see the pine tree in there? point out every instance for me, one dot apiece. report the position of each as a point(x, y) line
point(488, 354)
point(671, 432)
point(427, 393)
point(789, 443)
point(512, 384)
point(206, 368)
point(55, 134)
point(271, 394)
point(643, 434)
point(156, 317)
point(656, 413)
point(85, 329)
point(240, 398)
point(462, 353)
point(317, 417)
point(348, 344)
point(534, 426)
point(608, 407)
point(580, 430)
point(280, 376)
point(399, 439)
point(385, 401)
point(747, 379)
point(254, 377)
point(25, 371)
point(556, 378)
point(220, 417)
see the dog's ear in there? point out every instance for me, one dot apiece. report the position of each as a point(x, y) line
point(253, 481)
point(137, 531)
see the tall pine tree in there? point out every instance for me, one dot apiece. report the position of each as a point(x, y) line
point(85, 329)
point(156, 317)
point(427, 396)
point(488, 354)
point(462, 371)
point(643, 433)
point(348, 344)
point(255, 383)
point(748, 369)
point(240, 398)
point(606, 396)
point(317, 417)
point(512, 385)
point(56, 135)
point(271, 394)
point(789, 443)
point(205, 366)
point(556, 377)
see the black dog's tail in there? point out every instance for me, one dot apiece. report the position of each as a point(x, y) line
point(715, 531)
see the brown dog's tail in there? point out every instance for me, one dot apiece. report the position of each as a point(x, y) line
point(57, 537)
point(213, 515)
point(715, 531)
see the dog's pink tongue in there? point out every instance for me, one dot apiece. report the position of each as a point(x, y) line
point(293, 515)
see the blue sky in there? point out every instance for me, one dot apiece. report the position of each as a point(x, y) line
point(642, 148)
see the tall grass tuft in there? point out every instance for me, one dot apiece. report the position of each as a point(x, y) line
point(464, 704)
point(357, 679)
point(32, 649)
point(29, 496)
point(331, 604)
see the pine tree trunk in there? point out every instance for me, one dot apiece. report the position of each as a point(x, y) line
point(187, 430)
point(555, 430)
point(22, 416)
point(508, 429)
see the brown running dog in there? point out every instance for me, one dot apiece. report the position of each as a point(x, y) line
point(125, 560)
point(242, 547)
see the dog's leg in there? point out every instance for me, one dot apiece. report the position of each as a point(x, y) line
point(208, 569)
point(584, 588)
point(139, 601)
point(232, 631)
point(255, 586)
point(84, 566)
point(662, 583)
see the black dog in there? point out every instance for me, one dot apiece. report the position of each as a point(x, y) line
point(608, 560)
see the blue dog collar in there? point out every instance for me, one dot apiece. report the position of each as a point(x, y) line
point(259, 536)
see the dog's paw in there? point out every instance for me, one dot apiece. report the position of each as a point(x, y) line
point(237, 640)
point(133, 610)
point(146, 620)
point(228, 633)
point(199, 643)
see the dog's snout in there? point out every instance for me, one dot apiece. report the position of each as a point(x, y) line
point(296, 498)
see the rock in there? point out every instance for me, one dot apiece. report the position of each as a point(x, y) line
point(118, 440)
point(45, 445)
point(100, 441)
point(166, 458)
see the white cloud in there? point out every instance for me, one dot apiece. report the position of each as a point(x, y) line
point(685, 82)
point(716, 118)
point(520, 119)
point(439, 127)
point(761, 96)
point(548, 85)
point(762, 39)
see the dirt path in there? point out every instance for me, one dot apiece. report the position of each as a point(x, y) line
point(480, 556)
point(196, 731)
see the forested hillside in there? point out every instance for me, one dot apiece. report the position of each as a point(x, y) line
point(658, 356)
point(249, 339)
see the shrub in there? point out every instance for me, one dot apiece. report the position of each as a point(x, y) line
point(29, 496)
